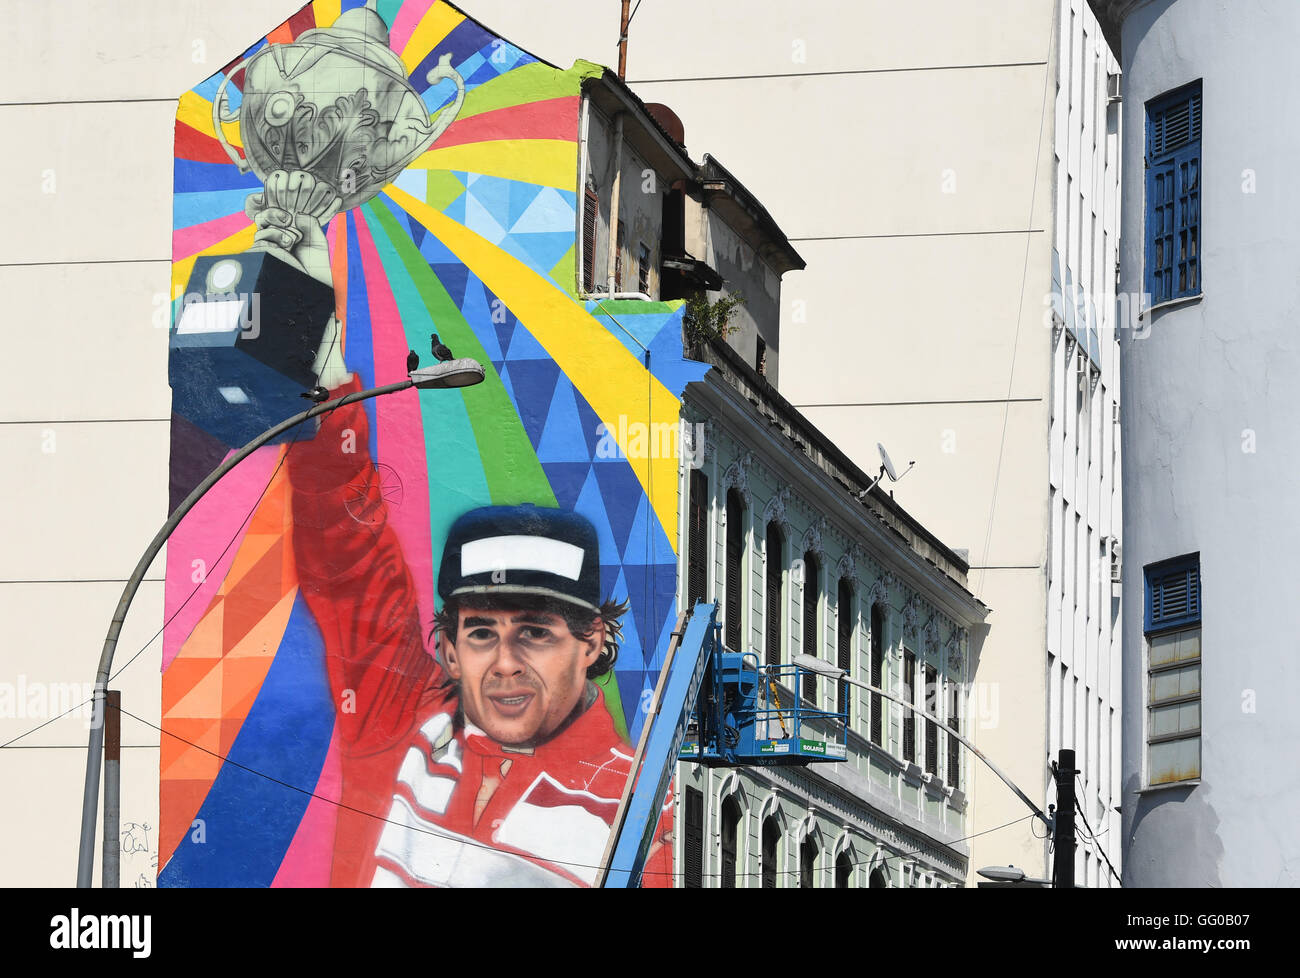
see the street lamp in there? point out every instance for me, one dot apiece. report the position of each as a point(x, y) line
point(824, 668)
point(462, 372)
point(1010, 875)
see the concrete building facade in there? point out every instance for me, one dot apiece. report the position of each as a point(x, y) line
point(1209, 783)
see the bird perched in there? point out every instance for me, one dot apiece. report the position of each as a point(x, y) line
point(412, 360)
point(316, 394)
point(440, 349)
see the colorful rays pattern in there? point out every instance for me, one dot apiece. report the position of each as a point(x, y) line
point(474, 240)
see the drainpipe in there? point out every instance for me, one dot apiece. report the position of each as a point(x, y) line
point(582, 190)
point(613, 204)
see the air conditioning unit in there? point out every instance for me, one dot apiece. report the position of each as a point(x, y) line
point(1116, 563)
point(1113, 92)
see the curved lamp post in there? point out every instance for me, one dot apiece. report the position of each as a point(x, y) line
point(463, 372)
point(824, 668)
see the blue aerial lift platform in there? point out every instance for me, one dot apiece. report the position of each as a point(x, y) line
point(719, 708)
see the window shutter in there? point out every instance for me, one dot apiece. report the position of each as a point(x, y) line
point(697, 536)
point(694, 842)
point(735, 562)
point(730, 827)
point(909, 716)
point(1176, 125)
point(807, 864)
point(1175, 597)
point(954, 758)
point(844, 636)
point(843, 871)
point(775, 546)
point(590, 207)
point(811, 577)
point(931, 728)
point(877, 674)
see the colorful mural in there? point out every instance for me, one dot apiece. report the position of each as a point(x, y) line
point(389, 639)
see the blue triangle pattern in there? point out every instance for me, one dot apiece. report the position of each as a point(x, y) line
point(567, 480)
point(622, 492)
point(562, 439)
point(476, 313)
point(638, 577)
point(523, 197)
point(534, 382)
point(592, 505)
point(590, 423)
point(638, 549)
point(523, 346)
point(544, 250)
point(435, 252)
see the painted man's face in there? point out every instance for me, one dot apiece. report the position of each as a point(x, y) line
point(521, 673)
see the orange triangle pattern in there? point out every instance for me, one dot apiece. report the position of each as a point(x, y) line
point(212, 683)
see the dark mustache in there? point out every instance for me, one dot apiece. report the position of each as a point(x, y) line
point(514, 686)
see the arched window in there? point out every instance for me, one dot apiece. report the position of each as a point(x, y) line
point(771, 839)
point(843, 870)
point(807, 863)
point(730, 833)
point(735, 563)
point(775, 549)
point(697, 539)
point(844, 643)
point(878, 879)
point(877, 674)
point(811, 580)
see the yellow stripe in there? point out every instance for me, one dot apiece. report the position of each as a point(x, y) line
point(326, 11)
point(437, 24)
point(238, 242)
point(549, 162)
point(612, 380)
point(196, 112)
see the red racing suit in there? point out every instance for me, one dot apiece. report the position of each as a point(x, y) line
point(429, 800)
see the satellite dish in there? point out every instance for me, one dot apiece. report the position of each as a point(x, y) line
point(887, 463)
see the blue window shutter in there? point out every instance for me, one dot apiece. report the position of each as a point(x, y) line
point(1173, 593)
point(1173, 195)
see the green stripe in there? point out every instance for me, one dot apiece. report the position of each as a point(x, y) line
point(513, 473)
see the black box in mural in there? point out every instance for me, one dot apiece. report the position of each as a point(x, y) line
point(244, 344)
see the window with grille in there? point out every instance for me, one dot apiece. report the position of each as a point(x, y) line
point(693, 843)
point(590, 209)
point(877, 675)
point(931, 728)
point(1173, 195)
point(953, 776)
point(811, 645)
point(697, 539)
point(844, 643)
point(771, 838)
point(807, 863)
point(1173, 641)
point(730, 834)
point(909, 697)
point(643, 270)
point(735, 566)
point(618, 258)
point(773, 619)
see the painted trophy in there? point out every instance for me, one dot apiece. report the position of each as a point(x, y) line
point(327, 121)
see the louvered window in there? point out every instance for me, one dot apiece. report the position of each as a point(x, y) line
point(931, 728)
point(953, 774)
point(730, 834)
point(697, 538)
point(877, 674)
point(693, 844)
point(773, 618)
point(735, 566)
point(1173, 694)
point(618, 258)
point(1173, 212)
point(909, 697)
point(844, 643)
point(811, 577)
point(771, 838)
point(591, 206)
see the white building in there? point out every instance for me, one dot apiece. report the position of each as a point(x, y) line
point(1210, 789)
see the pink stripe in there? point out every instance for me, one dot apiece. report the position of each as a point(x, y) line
point(218, 519)
point(307, 862)
point(400, 427)
point(405, 23)
point(193, 239)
